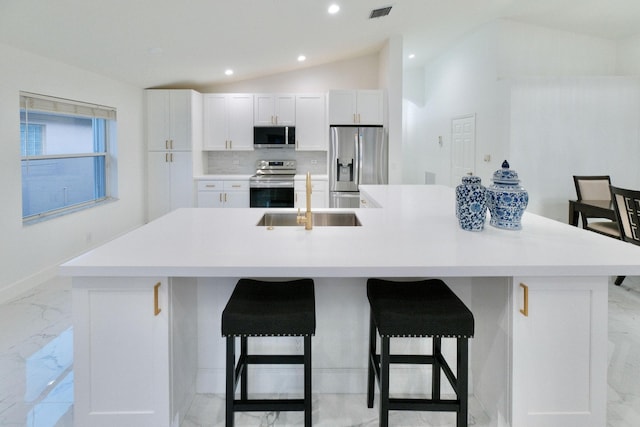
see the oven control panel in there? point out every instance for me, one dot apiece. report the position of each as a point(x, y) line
point(274, 165)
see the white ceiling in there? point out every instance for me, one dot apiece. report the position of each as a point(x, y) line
point(153, 43)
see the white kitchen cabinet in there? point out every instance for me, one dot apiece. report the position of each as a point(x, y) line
point(274, 110)
point(559, 351)
point(170, 115)
point(319, 195)
point(174, 122)
point(228, 121)
point(223, 194)
point(170, 182)
point(124, 347)
point(359, 107)
point(311, 122)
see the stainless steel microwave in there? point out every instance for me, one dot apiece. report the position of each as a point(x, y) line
point(274, 137)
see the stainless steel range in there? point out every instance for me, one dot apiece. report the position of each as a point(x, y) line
point(273, 184)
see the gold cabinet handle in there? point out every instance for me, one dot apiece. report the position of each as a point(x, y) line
point(166, 157)
point(525, 309)
point(156, 304)
point(171, 157)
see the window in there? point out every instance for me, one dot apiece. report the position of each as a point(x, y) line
point(66, 151)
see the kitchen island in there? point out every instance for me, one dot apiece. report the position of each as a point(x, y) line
point(147, 306)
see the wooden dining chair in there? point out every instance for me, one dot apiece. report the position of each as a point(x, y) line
point(627, 206)
point(595, 187)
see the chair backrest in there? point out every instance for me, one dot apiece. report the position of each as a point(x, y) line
point(594, 187)
point(627, 207)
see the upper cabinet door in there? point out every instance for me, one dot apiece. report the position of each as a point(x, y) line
point(169, 119)
point(370, 108)
point(228, 121)
point(342, 107)
point(215, 122)
point(285, 109)
point(274, 110)
point(311, 123)
point(240, 121)
point(158, 129)
point(356, 107)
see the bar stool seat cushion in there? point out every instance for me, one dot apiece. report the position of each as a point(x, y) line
point(421, 308)
point(259, 308)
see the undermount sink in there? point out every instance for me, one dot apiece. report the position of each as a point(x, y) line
point(320, 219)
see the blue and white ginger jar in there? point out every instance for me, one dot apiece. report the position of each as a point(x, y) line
point(471, 204)
point(506, 199)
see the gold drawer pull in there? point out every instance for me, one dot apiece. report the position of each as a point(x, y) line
point(156, 305)
point(525, 309)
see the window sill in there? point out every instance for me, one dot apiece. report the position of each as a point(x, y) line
point(47, 216)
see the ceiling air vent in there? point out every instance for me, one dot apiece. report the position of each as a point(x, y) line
point(379, 13)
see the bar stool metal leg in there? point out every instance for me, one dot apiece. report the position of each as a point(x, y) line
point(435, 368)
point(384, 380)
point(231, 360)
point(372, 354)
point(462, 382)
point(307, 381)
point(244, 370)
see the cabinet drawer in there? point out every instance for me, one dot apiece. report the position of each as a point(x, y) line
point(210, 185)
point(236, 185)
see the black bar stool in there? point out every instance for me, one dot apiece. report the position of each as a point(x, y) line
point(257, 309)
point(425, 308)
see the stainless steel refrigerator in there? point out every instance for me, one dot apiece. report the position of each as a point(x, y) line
point(357, 156)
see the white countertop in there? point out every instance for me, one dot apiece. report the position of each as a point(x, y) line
point(414, 233)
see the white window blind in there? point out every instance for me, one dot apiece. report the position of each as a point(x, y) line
point(35, 102)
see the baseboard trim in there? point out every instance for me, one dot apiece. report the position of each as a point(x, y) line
point(18, 288)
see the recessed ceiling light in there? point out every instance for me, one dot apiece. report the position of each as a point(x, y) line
point(333, 9)
point(228, 72)
point(301, 58)
point(412, 55)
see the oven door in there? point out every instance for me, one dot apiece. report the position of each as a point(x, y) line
point(272, 195)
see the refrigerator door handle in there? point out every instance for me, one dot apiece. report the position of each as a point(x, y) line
point(359, 157)
point(356, 161)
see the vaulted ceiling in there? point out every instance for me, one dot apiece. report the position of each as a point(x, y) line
point(151, 43)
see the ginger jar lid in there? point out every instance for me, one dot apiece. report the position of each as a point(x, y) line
point(505, 175)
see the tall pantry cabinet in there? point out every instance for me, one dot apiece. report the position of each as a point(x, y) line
point(174, 125)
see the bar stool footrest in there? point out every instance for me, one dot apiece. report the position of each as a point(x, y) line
point(259, 405)
point(424, 405)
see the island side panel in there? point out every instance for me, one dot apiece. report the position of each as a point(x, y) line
point(123, 355)
point(559, 351)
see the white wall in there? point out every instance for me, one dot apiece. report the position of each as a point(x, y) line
point(31, 253)
point(564, 126)
point(356, 73)
point(478, 75)
point(460, 82)
point(391, 78)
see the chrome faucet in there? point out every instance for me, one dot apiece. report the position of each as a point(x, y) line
point(307, 218)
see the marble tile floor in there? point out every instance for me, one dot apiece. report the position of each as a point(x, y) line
point(36, 371)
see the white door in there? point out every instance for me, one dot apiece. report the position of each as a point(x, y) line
point(463, 147)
